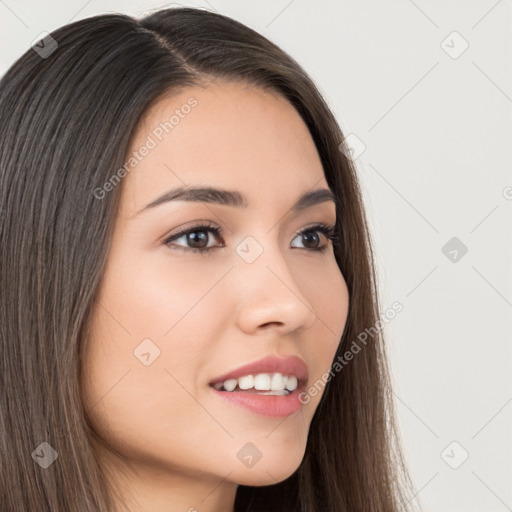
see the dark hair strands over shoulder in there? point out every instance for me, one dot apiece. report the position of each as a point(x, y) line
point(65, 127)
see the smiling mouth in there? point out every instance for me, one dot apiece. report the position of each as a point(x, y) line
point(274, 384)
point(266, 384)
point(266, 402)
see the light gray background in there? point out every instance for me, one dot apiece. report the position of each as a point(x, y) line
point(436, 127)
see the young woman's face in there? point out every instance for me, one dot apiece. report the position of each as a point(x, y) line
point(169, 320)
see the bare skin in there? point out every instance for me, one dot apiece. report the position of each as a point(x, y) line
point(208, 314)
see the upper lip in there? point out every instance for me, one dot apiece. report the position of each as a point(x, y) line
point(292, 365)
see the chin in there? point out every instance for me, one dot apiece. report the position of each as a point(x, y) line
point(267, 474)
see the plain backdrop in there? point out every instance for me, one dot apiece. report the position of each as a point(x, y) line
point(423, 91)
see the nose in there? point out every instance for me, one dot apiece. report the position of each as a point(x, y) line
point(269, 296)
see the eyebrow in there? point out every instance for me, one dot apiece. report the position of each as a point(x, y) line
point(234, 198)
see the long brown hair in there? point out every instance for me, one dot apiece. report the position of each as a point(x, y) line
point(66, 118)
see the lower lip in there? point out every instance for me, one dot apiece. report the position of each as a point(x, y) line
point(267, 405)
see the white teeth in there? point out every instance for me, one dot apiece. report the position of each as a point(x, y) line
point(230, 384)
point(261, 382)
point(246, 382)
point(277, 382)
point(292, 382)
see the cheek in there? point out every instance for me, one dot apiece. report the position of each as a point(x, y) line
point(139, 361)
point(327, 292)
point(143, 411)
point(331, 304)
point(148, 298)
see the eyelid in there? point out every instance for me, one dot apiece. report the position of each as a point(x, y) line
point(191, 228)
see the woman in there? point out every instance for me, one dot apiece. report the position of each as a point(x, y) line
point(185, 267)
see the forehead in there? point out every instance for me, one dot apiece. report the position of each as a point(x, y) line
point(229, 135)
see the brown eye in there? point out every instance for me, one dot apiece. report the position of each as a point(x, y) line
point(195, 239)
point(311, 238)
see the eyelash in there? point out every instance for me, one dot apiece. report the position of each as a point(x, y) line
point(329, 231)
